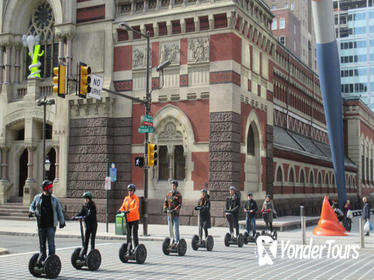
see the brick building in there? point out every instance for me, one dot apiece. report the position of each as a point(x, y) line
point(233, 108)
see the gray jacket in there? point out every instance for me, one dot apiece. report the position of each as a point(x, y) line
point(58, 216)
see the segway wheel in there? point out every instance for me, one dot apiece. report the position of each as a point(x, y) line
point(32, 263)
point(165, 246)
point(52, 266)
point(246, 238)
point(227, 239)
point(182, 247)
point(275, 235)
point(94, 260)
point(240, 240)
point(75, 258)
point(209, 243)
point(122, 253)
point(140, 254)
point(195, 242)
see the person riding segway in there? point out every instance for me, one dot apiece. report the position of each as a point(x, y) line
point(172, 206)
point(232, 215)
point(79, 257)
point(203, 205)
point(250, 209)
point(48, 212)
point(130, 210)
point(268, 214)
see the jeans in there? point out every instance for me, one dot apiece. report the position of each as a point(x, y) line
point(89, 231)
point(201, 227)
point(250, 222)
point(268, 223)
point(176, 226)
point(132, 230)
point(233, 222)
point(44, 235)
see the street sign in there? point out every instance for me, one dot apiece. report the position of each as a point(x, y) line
point(148, 118)
point(96, 86)
point(107, 183)
point(146, 129)
point(148, 123)
point(113, 174)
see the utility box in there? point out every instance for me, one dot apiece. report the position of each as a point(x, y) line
point(120, 224)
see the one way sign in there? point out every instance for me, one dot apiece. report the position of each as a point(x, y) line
point(96, 86)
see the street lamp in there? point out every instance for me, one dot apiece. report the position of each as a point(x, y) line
point(124, 26)
point(44, 102)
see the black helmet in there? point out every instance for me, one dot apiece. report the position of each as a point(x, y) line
point(131, 187)
point(174, 182)
point(204, 191)
point(250, 194)
point(87, 195)
point(47, 185)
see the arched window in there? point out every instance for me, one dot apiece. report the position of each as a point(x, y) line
point(163, 163)
point(302, 177)
point(319, 179)
point(41, 24)
point(327, 179)
point(292, 176)
point(179, 163)
point(311, 178)
point(279, 175)
point(251, 141)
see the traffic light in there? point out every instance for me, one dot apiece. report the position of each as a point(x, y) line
point(152, 154)
point(139, 161)
point(59, 80)
point(84, 80)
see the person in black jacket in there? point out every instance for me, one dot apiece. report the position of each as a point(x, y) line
point(250, 209)
point(88, 212)
point(203, 205)
point(366, 211)
point(232, 210)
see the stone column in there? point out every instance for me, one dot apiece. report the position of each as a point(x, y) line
point(60, 48)
point(69, 56)
point(57, 163)
point(30, 150)
point(1, 65)
point(8, 65)
point(31, 188)
point(4, 182)
point(4, 163)
point(17, 65)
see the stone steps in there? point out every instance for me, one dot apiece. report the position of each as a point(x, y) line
point(14, 211)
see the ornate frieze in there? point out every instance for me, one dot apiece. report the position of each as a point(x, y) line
point(170, 51)
point(198, 50)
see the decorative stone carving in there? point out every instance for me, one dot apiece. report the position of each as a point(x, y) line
point(170, 133)
point(139, 57)
point(198, 50)
point(170, 51)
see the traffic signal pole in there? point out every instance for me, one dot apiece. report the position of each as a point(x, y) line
point(147, 111)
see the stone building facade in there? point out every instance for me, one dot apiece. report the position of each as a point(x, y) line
point(232, 108)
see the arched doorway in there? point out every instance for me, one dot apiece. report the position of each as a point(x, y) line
point(252, 162)
point(22, 171)
point(51, 174)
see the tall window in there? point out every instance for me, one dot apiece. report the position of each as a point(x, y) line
point(172, 163)
point(282, 40)
point(363, 168)
point(250, 142)
point(163, 171)
point(279, 175)
point(282, 23)
point(292, 176)
point(41, 24)
point(274, 24)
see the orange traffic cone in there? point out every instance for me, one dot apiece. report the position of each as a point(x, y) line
point(328, 224)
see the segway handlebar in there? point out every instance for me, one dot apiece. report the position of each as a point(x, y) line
point(75, 218)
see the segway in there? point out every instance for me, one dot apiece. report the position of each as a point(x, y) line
point(249, 238)
point(92, 260)
point(169, 245)
point(197, 243)
point(51, 267)
point(232, 240)
point(127, 253)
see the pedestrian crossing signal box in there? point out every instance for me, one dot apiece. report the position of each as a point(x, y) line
point(139, 161)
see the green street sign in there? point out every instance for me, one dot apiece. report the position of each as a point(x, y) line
point(148, 118)
point(146, 129)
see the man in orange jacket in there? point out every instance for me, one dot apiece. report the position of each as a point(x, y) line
point(130, 207)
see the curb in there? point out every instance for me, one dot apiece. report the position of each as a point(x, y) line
point(3, 251)
point(100, 237)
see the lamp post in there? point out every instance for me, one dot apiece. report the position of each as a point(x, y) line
point(124, 26)
point(44, 102)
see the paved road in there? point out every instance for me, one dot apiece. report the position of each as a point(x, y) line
point(222, 263)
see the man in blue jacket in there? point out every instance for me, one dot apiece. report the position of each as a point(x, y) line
point(47, 209)
point(366, 211)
